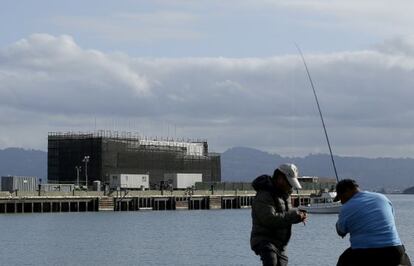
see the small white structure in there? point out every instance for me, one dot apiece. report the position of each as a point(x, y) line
point(20, 183)
point(183, 180)
point(191, 148)
point(129, 181)
point(57, 187)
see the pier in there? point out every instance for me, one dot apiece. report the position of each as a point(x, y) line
point(82, 201)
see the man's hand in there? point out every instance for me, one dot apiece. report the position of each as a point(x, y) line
point(339, 232)
point(303, 216)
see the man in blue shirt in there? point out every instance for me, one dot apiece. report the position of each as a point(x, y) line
point(369, 219)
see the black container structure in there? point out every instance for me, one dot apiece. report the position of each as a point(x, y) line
point(88, 157)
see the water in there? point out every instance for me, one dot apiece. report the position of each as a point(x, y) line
point(219, 237)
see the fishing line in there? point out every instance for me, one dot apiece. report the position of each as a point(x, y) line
point(293, 114)
point(319, 109)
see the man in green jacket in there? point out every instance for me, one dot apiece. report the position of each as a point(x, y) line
point(273, 216)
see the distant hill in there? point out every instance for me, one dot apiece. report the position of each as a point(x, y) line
point(243, 164)
point(409, 190)
point(17, 161)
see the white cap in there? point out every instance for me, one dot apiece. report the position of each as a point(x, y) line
point(291, 172)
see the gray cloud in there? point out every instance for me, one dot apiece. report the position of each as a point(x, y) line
point(141, 27)
point(372, 16)
point(49, 83)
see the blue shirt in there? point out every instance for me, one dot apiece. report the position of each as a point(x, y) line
point(369, 219)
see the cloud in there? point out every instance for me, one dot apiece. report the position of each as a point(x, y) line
point(399, 46)
point(49, 83)
point(45, 73)
point(382, 17)
point(127, 27)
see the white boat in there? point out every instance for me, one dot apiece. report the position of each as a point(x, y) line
point(322, 203)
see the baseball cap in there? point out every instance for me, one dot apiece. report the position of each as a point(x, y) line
point(291, 172)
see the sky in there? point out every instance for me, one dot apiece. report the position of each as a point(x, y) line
point(225, 71)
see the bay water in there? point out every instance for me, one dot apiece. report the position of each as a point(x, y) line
point(205, 237)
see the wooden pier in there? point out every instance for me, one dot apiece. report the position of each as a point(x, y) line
point(45, 205)
point(95, 202)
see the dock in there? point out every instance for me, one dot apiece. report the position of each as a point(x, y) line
point(120, 201)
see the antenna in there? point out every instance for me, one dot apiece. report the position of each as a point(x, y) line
point(319, 109)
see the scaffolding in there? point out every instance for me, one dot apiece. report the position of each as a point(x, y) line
point(113, 152)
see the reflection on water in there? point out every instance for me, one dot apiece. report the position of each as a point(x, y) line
point(219, 237)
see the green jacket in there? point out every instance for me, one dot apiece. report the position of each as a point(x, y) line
point(272, 215)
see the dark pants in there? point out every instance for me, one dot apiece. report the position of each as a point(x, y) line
point(387, 256)
point(271, 255)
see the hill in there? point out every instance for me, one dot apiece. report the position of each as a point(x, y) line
point(243, 164)
point(17, 161)
point(409, 190)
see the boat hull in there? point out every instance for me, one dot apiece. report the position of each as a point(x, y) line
point(322, 208)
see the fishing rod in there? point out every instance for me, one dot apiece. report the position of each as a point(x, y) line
point(319, 109)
